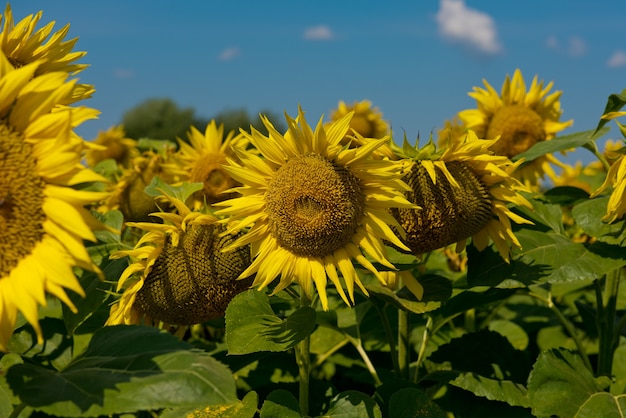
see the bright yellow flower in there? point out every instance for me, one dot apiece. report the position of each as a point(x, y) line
point(42, 216)
point(201, 161)
point(521, 118)
point(22, 44)
point(179, 274)
point(113, 144)
point(313, 205)
point(464, 191)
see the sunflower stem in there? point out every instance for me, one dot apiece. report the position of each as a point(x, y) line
point(422, 352)
point(606, 324)
point(389, 334)
point(403, 343)
point(303, 360)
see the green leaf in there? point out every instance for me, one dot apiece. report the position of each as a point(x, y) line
point(603, 405)
point(352, 404)
point(182, 192)
point(125, 369)
point(565, 195)
point(513, 332)
point(437, 289)
point(493, 389)
point(413, 403)
point(588, 215)
point(614, 103)
point(252, 326)
point(245, 408)
point(549, 215)
point(559, 384)
point(280, 404)
point(560, 143)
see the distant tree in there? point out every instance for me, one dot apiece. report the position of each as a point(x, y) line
point(158, 118)
point(233, 119)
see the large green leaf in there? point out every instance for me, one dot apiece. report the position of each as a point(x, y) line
point(280, 404)
point(352, 404)
point(125, 369)
point(245, 408)
point(252, 326)
point(560, 143)
point(604, 405)
point(413, 403)
point(493, 389)
point(559, 384)
point(588, 215)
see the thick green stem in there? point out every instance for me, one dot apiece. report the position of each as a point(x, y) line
point(403, 343)
point(303, 360)
point(609, 335)
point(382, 313)
point(568, 327)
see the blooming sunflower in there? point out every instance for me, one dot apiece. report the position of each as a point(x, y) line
point(201, 161)
point(113, 144)
point(22, 45)
point(521, 118)
point(313, 205)
point(367, 122)
point(464, 191)
point(180, 274)
point(42, 217)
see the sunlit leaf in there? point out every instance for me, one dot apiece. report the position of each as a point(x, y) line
point(603, 405)
point(559, 384)
point(125, 369)
point(245, 408)
point(280, 403)
point(181, 192)
point(565, 195)
point(614, 103)
point(560, 143)
point(588, 215)
point(512, 393)
point(252, 326)
point(353, 404)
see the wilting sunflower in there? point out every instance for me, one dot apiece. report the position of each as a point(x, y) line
point(22, 44)
point(180, 274)
point(113, 144)
point(520, 118)
point(201, 161)
point(313, 205)
point(42, 218)
point(367, 122)
point(464, 191)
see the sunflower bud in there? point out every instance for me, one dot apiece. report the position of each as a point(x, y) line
point(449, 213)
point(194, 281)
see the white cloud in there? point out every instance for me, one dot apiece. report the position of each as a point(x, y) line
point(469, 27)
point(319, 33)
point(552, 42)
point(618, 59)
point(229, 54)
point(124, 73)
point(576, 47)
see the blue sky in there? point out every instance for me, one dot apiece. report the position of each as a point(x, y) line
point(415, 60)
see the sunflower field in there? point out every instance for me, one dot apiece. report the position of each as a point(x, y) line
point(329, 269)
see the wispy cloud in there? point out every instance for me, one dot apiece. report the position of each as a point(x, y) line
point(471, 28)
point(319, 33)
point(618, 59)
point(123, 73)
point(574, 46)
point(229, 54)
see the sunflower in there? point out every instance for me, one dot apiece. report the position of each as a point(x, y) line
point(521, 118)
point(180, 274)
point(313, 205)
point(42, 217)
point(113, 144)
point(464, 191)
point(201, 161)
point(22, 44)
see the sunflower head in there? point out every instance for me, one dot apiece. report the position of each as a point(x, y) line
point(313, 204)
point(463, 190)
point(113, 144)
point(520, 118)
point(183, 274)
point(201, 160)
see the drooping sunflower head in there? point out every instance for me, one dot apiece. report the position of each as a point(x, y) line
point(463, 190)
point(201, 160)
point(23, 44)
point(42, 208)
point(113, 144)
point(313, 205)
point(520, 118)
point(181, 273)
